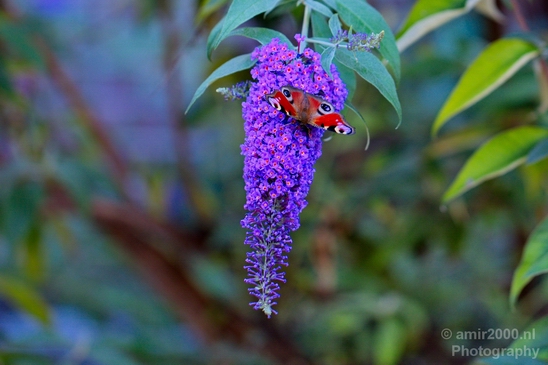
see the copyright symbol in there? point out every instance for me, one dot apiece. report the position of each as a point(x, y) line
point(446, 333)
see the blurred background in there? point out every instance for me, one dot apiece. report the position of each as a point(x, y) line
point(120, 237)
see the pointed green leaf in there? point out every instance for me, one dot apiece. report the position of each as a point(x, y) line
point(262, 35)
point(24, 297)
point(366, 19)
point(496, 64)
point(327, 59)
point(427, 15)
point(534, 260)
point(213, 37)
point(239, 12)
point(239, 63)
point(334, 24)
point(495, 157)
point(331, 3)
point(371, 69)
point(348, 76)
point(320, 27)
point(319, 7)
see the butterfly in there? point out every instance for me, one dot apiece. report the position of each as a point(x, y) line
point(309, 109)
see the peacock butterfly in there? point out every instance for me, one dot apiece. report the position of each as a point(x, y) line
point(309, 109)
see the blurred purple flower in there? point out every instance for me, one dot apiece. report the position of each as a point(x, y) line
point(365, 42)
point(279, 161)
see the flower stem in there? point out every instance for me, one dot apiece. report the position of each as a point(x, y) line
point(306, 24)
point(324, 43)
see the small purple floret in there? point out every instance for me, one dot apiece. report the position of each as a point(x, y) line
point(279, 156)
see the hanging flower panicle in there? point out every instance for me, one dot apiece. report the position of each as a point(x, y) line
point(279, 156)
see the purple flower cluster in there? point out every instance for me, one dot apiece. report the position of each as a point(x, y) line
point(358, 41)
point(279, 161)
point(238, 91)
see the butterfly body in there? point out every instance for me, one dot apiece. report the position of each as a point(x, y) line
point(309, 109)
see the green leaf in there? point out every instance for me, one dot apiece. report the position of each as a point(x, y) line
point(319, 7)
point(327, 59)
point(213, 36)
point(320, 27)
point(239, 12)
point(348, 76)
point(496, 64)
point(371, 69)
point(534, 260)
point(262, 35)
point(331, 3)
point(334, 24)
point(389, 342)
point(495, 157)
point(365, 19)
point(239, 63)
point(25, 298)
point(427, 15)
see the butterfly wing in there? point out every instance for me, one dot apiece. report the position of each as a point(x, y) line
point(287, 100)
point(323, 115)
point(309, 109)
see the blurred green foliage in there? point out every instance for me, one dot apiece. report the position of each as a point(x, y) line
point(379, 266)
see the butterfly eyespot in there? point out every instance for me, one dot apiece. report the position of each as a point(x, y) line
point(287, 94)
point(343, 129)
point(326, 108)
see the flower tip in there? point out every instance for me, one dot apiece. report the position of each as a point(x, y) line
point(267, 309)
point(299, 37)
